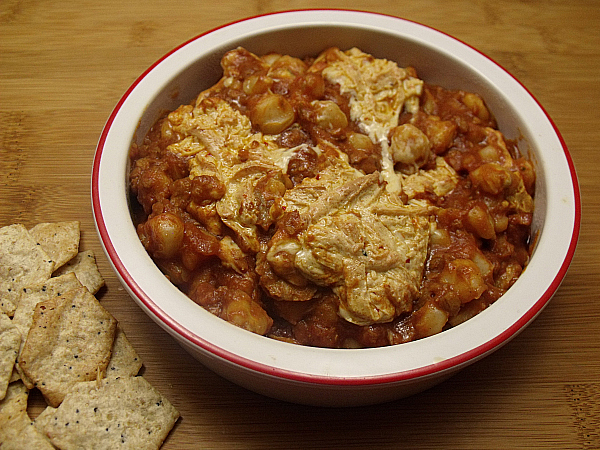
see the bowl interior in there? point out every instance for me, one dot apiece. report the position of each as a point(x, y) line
point(182, 74)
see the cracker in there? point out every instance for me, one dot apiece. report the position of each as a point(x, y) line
point(30, 297)
point(124, 360)
point(17, 430)
point(15, 375)
point(83, 265)
point(124, 413)
point(29, 437)
point(10, 340)
point(60, 240)
point(22, 262)
point(13, 411)
point(70, 341)
point(62, 341)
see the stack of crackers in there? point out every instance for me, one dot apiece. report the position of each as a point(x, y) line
point(56, 337)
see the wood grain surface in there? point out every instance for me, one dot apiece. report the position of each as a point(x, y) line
point(65, 64)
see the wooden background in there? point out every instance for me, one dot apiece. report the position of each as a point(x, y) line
point(65, 64)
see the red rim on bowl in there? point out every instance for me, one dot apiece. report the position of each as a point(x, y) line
point(107, 186)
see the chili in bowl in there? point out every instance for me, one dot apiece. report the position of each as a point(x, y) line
point(316, 210)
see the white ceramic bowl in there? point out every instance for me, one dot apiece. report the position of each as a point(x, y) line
point(329, 376)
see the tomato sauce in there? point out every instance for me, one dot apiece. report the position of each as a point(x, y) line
point(479, 247)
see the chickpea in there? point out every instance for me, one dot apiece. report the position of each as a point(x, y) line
point(242, 311)
point(150, 183)
point(479, 218)
point(190, 259)
point(475, 103)
point(500, 223)
point(491, 178)
point(483, 264)
point(203, 293)
point(360, 141)
point(175, 271)
point(440, 237)
point(165, 233)
point(465, 279)
point(281, 258)
point(410, 146)
point(207, 215)
point(441, 134)
point(429, 320)
point(329, 115)
point(270, 58)
point(527, 174)
point(286, 68)
point(362, 153)
point(509, 276)
point(200, 241)
point(256, 84)
point(310, 84)
point(489, 154)
point(272, 114)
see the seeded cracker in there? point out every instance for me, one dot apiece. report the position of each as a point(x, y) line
point(60, 240)
point(124, 361)
point(70, 341)
point(63, 337)
point(28, 438)
point(30, 297)
point(10, 340)
point(123, 413)
point(83, 265)
point(22, 262)
point(13, 411)
point(34, 294)
point(15, 375)
point(17, 431)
